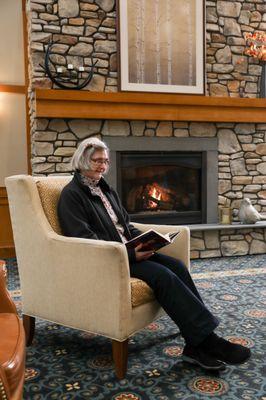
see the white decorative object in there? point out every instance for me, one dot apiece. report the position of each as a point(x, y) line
point(248, 214)
point(70, 66)
point(81, 69)
point(59, 70)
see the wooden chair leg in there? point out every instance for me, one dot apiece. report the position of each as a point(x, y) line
point(120, 353)
point(29, 327)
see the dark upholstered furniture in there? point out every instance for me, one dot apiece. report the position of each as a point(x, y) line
point(12, 345)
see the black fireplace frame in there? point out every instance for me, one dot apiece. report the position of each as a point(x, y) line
point(206, 146)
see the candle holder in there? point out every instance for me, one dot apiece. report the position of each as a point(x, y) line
point(67, 77)
point(225, 215)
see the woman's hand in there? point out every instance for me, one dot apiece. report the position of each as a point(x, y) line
point(142, 255)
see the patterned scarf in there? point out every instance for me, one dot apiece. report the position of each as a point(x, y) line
point(95, 189)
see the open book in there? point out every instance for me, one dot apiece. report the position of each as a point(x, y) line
point(151, 240)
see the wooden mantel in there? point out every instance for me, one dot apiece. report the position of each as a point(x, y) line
point(147, 106)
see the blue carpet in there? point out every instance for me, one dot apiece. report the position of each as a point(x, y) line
point(67, 364)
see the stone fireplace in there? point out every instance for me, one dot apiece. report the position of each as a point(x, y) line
point(235, 155)
point(166, 180)
point(227, 139)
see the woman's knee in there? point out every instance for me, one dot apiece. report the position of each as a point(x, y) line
point(153, 273)
point(164, 278)
point(172, 263)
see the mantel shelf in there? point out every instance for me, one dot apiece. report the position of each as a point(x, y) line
point(52, 103)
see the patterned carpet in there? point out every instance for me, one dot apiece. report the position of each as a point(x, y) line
point(67, 364)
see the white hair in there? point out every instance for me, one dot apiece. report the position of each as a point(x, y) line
point(82, 156)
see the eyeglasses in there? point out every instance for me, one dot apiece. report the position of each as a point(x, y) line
point(100, 161)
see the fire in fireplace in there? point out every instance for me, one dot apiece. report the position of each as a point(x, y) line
point(162, 187)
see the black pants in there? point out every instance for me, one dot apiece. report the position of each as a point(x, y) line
point(175, 290)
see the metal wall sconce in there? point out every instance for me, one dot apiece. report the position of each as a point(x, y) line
point(67, 77)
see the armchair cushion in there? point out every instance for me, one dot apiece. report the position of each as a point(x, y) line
point(141, 293)
point(49, 191)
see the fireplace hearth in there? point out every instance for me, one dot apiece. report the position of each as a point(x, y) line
point(165, 180)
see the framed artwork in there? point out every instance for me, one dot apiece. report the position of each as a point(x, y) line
point(162, 46)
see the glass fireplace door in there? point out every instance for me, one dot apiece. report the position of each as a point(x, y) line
point(162, 187)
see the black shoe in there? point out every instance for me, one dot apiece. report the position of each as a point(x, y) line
point(195, 355)
point(230, 353)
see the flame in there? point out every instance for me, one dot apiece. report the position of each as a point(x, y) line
point(155, 194)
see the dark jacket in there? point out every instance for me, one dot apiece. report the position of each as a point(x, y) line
point(82, 214)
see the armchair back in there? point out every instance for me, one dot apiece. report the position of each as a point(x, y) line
point(49, 191)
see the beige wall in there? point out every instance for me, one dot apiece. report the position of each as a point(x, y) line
point(13, 147)
point(13, 150)
point(11, 43)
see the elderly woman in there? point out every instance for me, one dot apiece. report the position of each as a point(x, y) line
point(90, 208)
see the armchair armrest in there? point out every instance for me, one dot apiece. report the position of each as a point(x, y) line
point(91, 276)
point(6, 303)
point(180, 248)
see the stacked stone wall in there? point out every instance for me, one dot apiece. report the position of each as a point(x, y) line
point(241, 147)
point(228, 242)
point(81, 30)
point(229, 71)
point(88, 28)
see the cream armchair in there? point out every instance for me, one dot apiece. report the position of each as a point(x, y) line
point(79, 283)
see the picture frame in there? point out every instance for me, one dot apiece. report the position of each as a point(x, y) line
point(162, 46)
